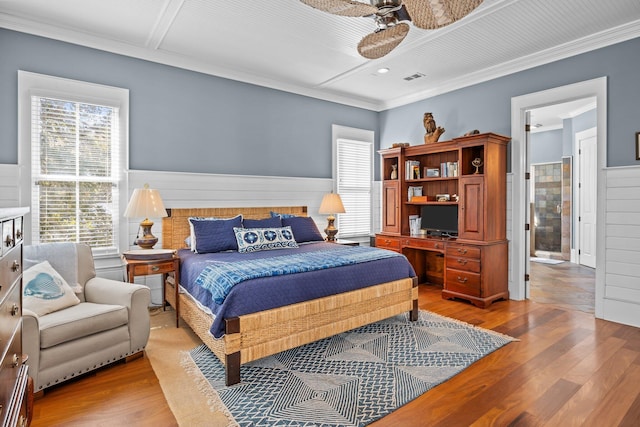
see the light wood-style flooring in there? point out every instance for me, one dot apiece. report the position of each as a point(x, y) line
point(567, 369)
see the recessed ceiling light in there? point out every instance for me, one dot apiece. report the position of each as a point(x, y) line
point(383, 70)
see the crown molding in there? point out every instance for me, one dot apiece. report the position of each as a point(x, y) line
point(585, 44)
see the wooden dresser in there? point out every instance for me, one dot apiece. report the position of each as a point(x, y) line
point(16, 390)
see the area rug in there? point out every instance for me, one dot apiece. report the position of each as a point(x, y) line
point(350, 379)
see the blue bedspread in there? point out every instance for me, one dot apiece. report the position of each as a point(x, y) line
point(264, 293)
point(219, 277)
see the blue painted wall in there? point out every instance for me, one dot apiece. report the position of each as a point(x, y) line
point(192, 122)
point(546, 147)
point(487, 106)
point(186, 121)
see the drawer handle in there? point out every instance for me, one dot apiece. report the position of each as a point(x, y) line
point(462, 261)
point(18, 234)
point(15, 361)
point(387, 241)
point(8, 241)
point(15, 309)
point(462, 279)
point(437, 246)
point(462, 251)
point(15, 266)
point(155, 268)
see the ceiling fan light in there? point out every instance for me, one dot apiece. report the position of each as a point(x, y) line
point(378, 44)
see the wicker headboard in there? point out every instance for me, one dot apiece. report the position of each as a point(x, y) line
point(175, 227)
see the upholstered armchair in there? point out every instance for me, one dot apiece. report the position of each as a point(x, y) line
point(108, 321)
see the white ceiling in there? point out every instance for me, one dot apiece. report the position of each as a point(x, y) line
point(287, 45)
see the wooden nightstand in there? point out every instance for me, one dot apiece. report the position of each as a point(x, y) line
point(147, 267)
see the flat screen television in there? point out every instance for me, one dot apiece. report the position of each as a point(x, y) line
point(440, 220)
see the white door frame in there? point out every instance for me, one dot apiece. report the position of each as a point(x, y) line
point(519, 105)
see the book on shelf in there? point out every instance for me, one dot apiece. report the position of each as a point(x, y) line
point(410, 167)
point(448, 169)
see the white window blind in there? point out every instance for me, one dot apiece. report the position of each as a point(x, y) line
point(354, 176)
point(75, 172)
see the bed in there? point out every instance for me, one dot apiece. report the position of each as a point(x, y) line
point(251, 336)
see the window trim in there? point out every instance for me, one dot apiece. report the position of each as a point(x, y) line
point(30, 84)
point(358, 135)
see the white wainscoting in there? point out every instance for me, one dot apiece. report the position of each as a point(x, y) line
point(180, 190)
point(9, 197)
point(622, 246)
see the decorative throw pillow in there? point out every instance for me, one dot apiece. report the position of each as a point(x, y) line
point(214, 234)
point(282, 215)
point(45, 291)
point(262, 239)
point(304, 229)
point(272, 222)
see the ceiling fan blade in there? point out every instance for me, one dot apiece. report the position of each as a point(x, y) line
point(378, 44)
point(432, 14)
point(342, 7)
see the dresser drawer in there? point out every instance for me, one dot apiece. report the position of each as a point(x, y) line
point(10, 270)
point(155, 268)
point(436, 245)
point(8, 238)
point(461, 250)
point(463, 282)
point(388, 243)
point(9, 369)
point(10, 314)
point(463, 263)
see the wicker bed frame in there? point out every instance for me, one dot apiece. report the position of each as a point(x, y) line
point(261, 334)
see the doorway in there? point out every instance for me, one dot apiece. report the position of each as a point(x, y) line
point(519, 286)
point(562, 158)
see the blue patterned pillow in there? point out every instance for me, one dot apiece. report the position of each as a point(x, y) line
point(304, 229)
point(262, 239)
point(282, 215)
point(214, 234)
point(272, 222)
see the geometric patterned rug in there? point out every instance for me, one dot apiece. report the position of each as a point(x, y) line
point(353, 378)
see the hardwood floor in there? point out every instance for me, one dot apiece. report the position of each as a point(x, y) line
point(566, 369)
point(568, 285)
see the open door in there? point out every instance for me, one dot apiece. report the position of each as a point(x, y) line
point(586, 143)
point(527, 201)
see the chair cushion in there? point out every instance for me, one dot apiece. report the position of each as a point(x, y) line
point(80, 321)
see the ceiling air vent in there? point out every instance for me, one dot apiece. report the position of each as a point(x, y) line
point(414, 76)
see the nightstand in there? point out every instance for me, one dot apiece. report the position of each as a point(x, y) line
point(161, 265)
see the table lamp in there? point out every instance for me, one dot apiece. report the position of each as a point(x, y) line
point(145, 203)
point(331, 204)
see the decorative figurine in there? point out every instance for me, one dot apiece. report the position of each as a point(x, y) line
point(394, 171)
point(477, 162)
point(433, 131)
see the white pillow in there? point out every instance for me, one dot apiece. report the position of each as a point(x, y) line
point(45, 291)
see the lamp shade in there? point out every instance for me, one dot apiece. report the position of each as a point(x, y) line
point(331, 204)
point(145, 202)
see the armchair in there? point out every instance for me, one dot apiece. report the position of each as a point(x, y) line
point(110, 323)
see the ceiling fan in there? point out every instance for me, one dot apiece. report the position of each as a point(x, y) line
point(391, 17)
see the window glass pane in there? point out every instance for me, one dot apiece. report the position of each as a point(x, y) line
point(354, 169)
point(74, 174)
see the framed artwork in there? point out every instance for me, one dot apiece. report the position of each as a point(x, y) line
point(637, 145)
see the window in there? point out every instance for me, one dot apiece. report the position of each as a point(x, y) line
point(75, 144)
point(354, 174)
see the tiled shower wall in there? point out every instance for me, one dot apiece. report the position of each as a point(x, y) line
point(548, 207)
